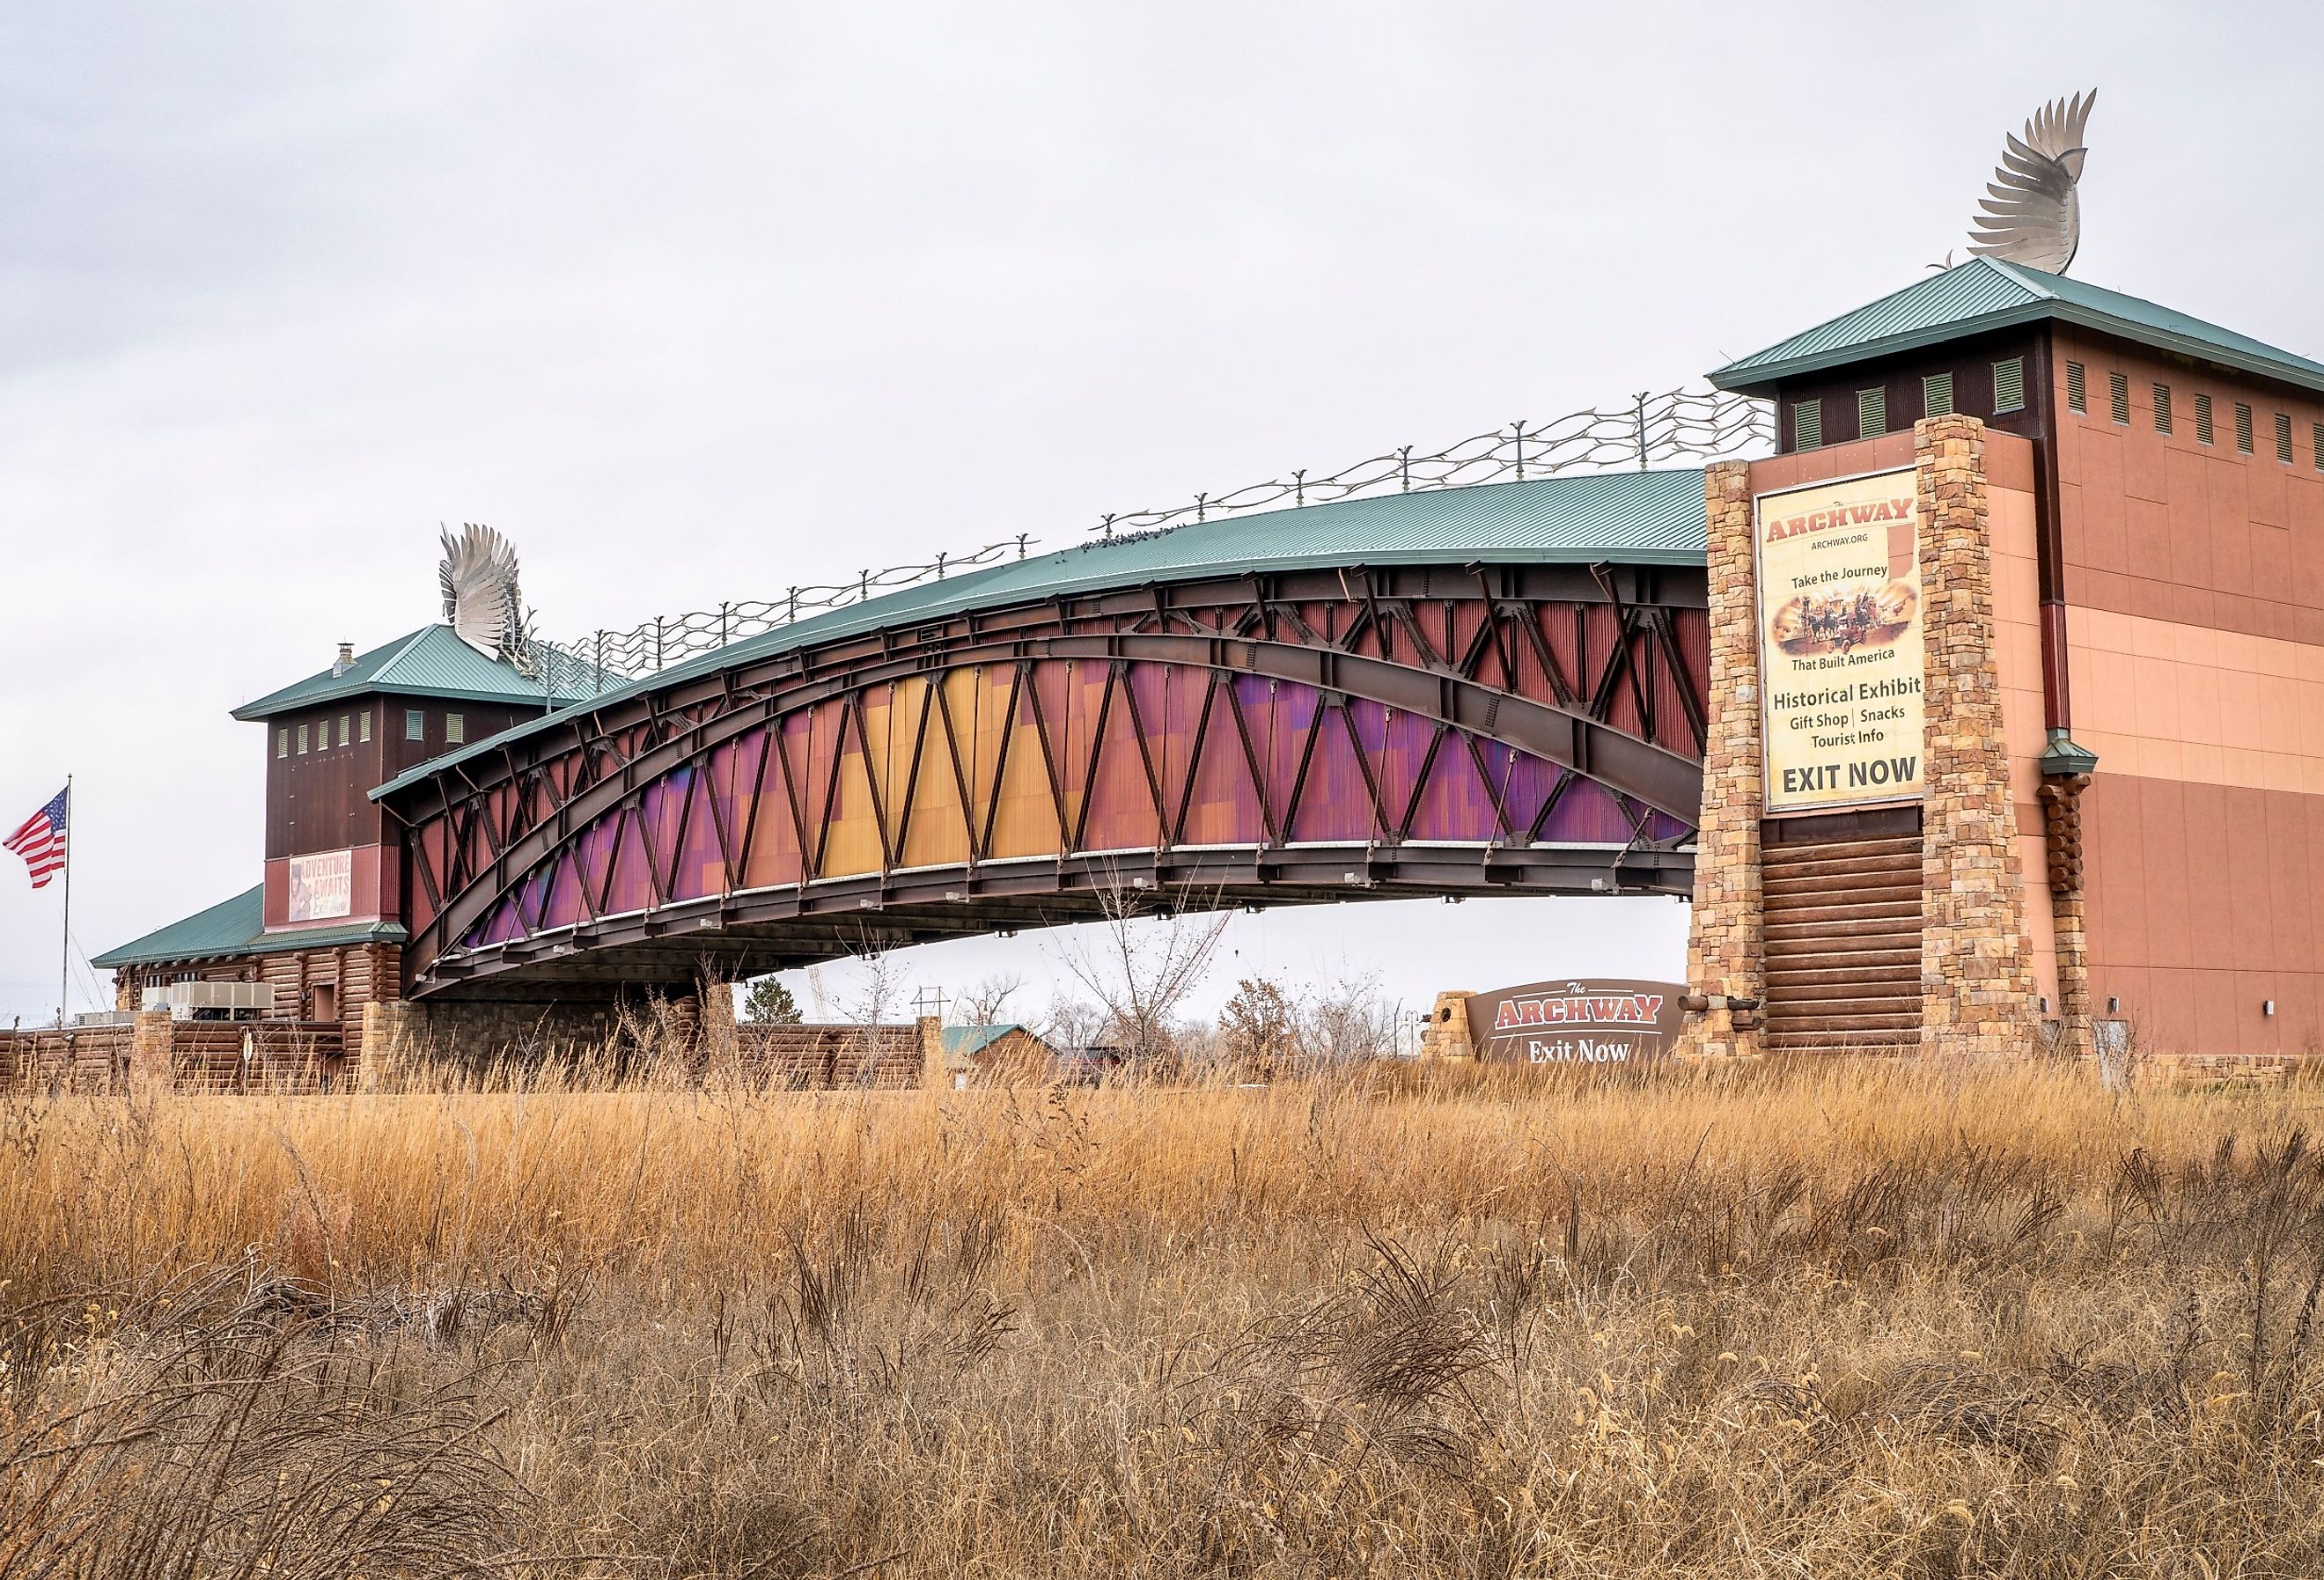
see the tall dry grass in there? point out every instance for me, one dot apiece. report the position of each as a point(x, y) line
point(1840, 1319)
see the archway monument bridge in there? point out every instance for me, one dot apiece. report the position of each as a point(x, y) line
point(1437, 674)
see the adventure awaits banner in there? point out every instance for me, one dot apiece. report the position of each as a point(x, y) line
point(1840, 644)
point(1576, 1023)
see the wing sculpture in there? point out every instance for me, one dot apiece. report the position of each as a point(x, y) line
point(478, 576)
point(2032, 213)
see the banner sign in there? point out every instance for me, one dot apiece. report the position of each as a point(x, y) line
point(322, 886)
point(1839, 642)
point(1576, 1023)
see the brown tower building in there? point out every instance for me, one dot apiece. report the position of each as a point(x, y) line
point(324, 927)
point(2135, 573)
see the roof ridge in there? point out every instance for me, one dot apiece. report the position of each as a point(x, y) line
point(2018, 273)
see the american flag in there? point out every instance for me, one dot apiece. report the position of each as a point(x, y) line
point(42, 840)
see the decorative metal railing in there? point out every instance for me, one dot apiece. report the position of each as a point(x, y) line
point(1677, 425)
point(1697, 425)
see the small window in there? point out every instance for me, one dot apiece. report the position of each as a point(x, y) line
point(2118, 395)
point(2009, 385)
point(414, 725)
point(2163, 408)
point(2243, 428)
point(345, 726)
point(302, 739)
point(455, 729)
point(1807, 425)
point(2284, 437)
point(2077, 389)
point(362, 726)
point(1871, 413)
point(1937, 396)
point(2203, 420)
point(282, 741)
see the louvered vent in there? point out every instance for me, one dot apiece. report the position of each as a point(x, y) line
point(2243, 428)
point(2077, 389)
point(1807, 425)
point(2009, 385)
point(2163, 408)
point(2203, 420)
point(2284, 439)
point(1937, 396)
point(2119, 396)
point(2316, 437)
point(1871, 413)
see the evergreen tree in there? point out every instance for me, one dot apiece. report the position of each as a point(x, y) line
point(770, 1003)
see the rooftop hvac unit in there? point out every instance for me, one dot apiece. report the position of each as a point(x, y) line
point(181, 999)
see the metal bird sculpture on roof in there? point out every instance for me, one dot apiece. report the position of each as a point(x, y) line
point(2032, 213)
point(478, 578)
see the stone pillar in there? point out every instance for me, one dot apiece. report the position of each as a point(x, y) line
point(1976, 984)
point(1723, 962)
point(151, 1043)
point(935, 1074)
point(386, 1043)
point(1448, 1035)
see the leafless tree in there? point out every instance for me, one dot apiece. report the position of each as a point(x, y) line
point(878, 999)
point(1071, 1022)
point(987, 1003)
point(1345, 1022)
point(1142, 961)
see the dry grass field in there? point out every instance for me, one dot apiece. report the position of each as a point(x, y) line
point(1821, 1321)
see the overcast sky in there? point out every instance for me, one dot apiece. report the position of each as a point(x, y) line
point(698, 302)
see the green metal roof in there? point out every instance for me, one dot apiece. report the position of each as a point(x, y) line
point(1636, 518)
point(968, 1042)
point(238, 927)
point(431, 662)
point(1986, 293)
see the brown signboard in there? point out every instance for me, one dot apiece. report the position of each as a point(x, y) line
point(1576, 1023)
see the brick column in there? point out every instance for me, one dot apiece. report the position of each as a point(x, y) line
point(1723, 960)
point(2061, 804)
point(1976, 984)
point(152, 1039)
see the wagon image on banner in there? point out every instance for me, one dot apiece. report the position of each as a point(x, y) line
point(1576, 1023)
point(1839, 642)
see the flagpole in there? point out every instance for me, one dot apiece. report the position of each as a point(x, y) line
point(64, 971)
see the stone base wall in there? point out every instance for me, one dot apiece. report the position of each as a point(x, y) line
point(403, 1037)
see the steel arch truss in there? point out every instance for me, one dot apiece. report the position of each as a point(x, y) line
point(1286, 739)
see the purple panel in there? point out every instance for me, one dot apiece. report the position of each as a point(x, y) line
point(1167, 701)
point(504, 926)
point(531, 895)
point(663, 809)
point(1588, 814)
point(1334, 801)
point(701, 868)
point(633, 888)
point(1398, 743)
point(1277, 713)
point(592, 855)
point(1524, 781)
point(563, 907)
point(1456, 805)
